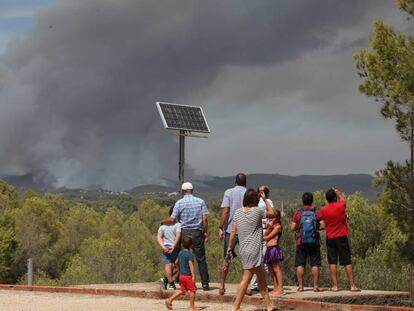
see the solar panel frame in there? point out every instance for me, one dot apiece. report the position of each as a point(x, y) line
point(180, 118)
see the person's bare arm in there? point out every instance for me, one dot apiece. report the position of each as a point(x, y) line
point(168, 221)
point(270, 212)
point(177, 267)
point(191, 264)
point(176, 242)
point(205, 227)
point(223, 219)
point(340, 196)
point(232, 235)
point(322, 225)
point(293, 226)
point(160, 236)
point(267, 203)
point(273, 233)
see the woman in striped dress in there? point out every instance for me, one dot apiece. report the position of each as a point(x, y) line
point(247, 224)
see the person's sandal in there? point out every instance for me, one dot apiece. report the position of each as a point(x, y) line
point(222, 291)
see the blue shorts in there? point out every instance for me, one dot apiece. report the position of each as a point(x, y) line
point(170, 258)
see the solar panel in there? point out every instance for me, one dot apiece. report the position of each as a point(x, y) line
point(182, 117)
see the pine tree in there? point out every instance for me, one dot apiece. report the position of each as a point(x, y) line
point(387, 69)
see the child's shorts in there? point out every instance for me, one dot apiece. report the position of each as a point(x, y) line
point(168, 258)
point(187, 284)
point(273, 254)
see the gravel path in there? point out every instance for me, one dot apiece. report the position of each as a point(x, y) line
point(29, 301)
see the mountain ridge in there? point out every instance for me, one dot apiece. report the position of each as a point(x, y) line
point(349, 183)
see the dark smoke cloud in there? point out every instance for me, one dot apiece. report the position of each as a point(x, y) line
point(77, 95)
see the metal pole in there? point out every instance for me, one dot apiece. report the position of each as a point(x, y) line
point(411, 283)
point(181, 162)
point(30, 272)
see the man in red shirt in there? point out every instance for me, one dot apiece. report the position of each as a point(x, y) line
point(335, 220)
point(304, 249)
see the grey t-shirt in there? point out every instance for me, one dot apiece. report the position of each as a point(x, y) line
point(233, 198)
point(169, 232)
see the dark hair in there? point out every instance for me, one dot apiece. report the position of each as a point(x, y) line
point(307, 199)
point(330, 196)
point(265, 190)
point(241, 179)
point(251, 198)
point(277, 214)
point(187, 242)
point(171, 210)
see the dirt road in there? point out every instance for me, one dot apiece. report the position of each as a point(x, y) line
point(29, 301)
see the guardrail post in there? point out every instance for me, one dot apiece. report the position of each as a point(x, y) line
point(30, 271)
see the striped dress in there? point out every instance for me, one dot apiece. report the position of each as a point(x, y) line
point(250, 233)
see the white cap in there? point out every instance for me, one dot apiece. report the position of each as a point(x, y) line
point(187, 186)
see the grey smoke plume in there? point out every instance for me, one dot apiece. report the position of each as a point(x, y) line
point(77, 94)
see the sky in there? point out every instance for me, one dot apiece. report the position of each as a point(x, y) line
point(79, 80)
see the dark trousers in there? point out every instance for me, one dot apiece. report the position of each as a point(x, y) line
point(199, 252)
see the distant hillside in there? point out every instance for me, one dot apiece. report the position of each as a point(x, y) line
point(24, 182)
point(348, 183)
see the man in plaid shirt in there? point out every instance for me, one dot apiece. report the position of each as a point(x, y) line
point(192, 213)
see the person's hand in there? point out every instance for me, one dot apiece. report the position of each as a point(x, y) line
point(193, 278)
point(170, 250)
point(205, 237)
point(165, 249)
point(221, 234)
point(262, 195)
point(230, 253)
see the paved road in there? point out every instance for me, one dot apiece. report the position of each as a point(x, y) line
point(29, 301)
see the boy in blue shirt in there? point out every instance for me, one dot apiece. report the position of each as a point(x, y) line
point(185, 263)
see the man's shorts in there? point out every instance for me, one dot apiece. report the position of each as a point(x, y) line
point(311, 251)
point(170, 258)
point(187, 284)
point(226, 243)
point(338, 247)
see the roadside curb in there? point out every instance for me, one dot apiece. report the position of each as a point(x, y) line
point(283, 303)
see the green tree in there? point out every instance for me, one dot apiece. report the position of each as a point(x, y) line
point(80, 223)
point(8, 196)
point(37, 230)
point(112, 222)
point(8, 247)
point(126, 254)
point(151, 213)
point(387, 69)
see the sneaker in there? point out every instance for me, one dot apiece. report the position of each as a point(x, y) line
point(164, 283)
point(172, 286)
point(206, 287)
